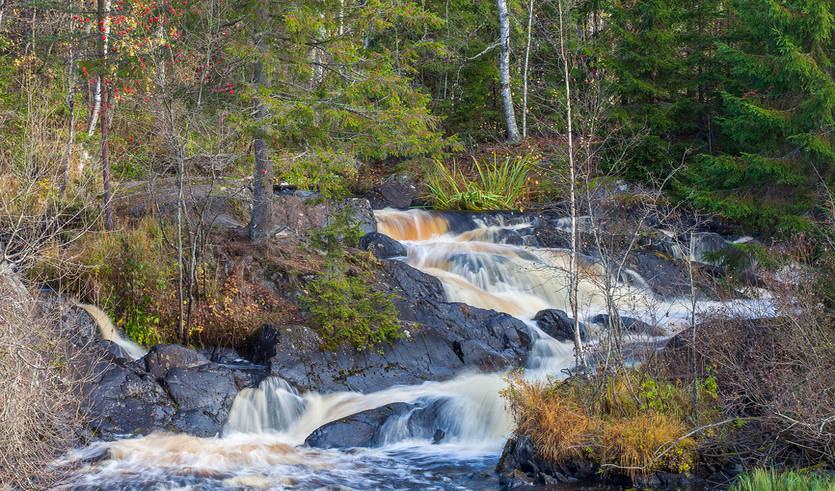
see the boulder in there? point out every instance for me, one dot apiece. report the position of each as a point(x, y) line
point(476, 353)
point(410, 282)
point(381, 245)
point(126, 400)
point(558, 325)
point(396, 192)
point(164, 357)
point(203, 395)
point(299, 215)
point(358, 430)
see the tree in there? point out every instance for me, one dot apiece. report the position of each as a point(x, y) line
point(504, 73)
point(777, 115)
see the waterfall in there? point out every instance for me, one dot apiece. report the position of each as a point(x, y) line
point(108, 331)
point(262, 442)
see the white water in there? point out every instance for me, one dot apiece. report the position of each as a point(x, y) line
point(108, 331)
point(262, 443)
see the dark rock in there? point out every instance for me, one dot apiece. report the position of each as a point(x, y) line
point(203, 395)
point(111, 351)
point(263, 348)
point(397, 192)
point(164, 357)
point(438, 435)
point(703, 245)
point(663, 274)
point(358, 430)
point(476, 353)
point(126, 400)
point(630, 324)
point(411, 282)
point(558, 325)
point(382, 246)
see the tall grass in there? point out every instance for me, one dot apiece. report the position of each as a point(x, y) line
point(497, 185)
point(771, 480)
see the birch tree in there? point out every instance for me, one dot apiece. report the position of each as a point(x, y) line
point(504, 73)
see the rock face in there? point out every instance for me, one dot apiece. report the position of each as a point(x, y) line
point(558, 325)
point(442, 338)
point(396, 192)
point(172, 388)
point(382, 246)
point(300, 215)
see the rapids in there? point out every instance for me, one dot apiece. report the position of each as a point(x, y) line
point(262, 443)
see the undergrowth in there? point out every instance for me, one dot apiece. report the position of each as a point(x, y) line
point(344, 305)
point(633, 424)
point(498, 185)
point(771, 480)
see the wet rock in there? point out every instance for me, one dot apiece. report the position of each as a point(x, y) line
point(111, 351)
point(704, 245)
point(164, 357)
point(558, 325)
point(438, 435)
point(474, 353)
point(358, 430)
point(425, 354)
point(630, 324)
point(203, 395)
point(382, 246)
point(663, 274)
point(397, 191)
point(126, 400)
point(411, 282)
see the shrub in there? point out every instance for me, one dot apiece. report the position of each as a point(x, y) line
point(632, 424)
point(347, 310)
point(498, 185)
point(41, 403)
point(771, 480)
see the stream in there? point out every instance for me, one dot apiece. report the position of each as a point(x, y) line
point(262, 443)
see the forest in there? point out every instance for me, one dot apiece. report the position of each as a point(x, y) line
point(469, 244)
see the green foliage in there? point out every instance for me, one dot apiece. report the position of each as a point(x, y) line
point(497, 186)
point(343, 230)
point(346, 309)
point(772, 480)
point(345, 306)
point(777, 116)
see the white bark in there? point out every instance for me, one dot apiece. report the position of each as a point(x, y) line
point(504, 73)
point(103, 30)
point(525, 75)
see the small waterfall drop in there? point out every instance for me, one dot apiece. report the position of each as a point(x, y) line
point(109, 332)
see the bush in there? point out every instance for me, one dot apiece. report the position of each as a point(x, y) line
point(498, 185)
point(41, 403)
point(347, 310)
point(633, 424)
point(771, 480)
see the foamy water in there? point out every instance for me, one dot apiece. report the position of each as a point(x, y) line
point(262, 443)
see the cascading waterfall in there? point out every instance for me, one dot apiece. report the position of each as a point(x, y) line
point(261, 444)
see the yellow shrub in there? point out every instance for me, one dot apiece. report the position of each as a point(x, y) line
point(636, 443)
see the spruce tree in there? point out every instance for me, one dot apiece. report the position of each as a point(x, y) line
point(777, 117)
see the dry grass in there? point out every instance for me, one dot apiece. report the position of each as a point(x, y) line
point(635, 444)
point(42, 374)
point(620, 430)
point(559, 426)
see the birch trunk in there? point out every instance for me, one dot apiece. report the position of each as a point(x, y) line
point(504, 73)
point(525, 75)
point(104, 29)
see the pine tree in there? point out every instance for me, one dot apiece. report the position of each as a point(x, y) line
point(777, 118)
